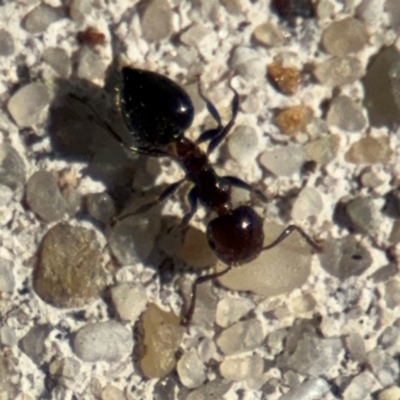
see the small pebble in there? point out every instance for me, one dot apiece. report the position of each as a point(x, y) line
point(241, 337)
point(325, 10)
point(59, 60)
point(360, 387)
point(385, 273)
point(303, 303)
point(289, 9)
point(339, 71)
point(268, 35)
point(308, 205)
point(73, 200)
point(370, 150)
point(165, 388)
point(383, 366)
point(213, 390)
point(41, 17)
point(323, 150)
point(230, 310)
point(392, 7)
point(381, 81)
point(285, 79)
point(355, 345)
point(80, 9)
point(207, 350)
point(345, 257)
point(69, 272)
point(239, 369)
point(392, 393)
point(161, 336)
point(311, 389)
point(7, 279)
point(132, 239)
point(343, 37)
point(7, 47)
point(233, 7)
point(314, 356)
point(129, 300)
point(273, 272)
point(284, 160)
point(246, 62)
point(27, 105)
point(191, 370)
point(243, 144)
point(365, 214)
point(156, 20)
point(111, 392)
point(392, 293)
point(370, 12)
point(345, 114)
point(32, 343)
point(91, 65)
point(293, 120)
point(103, 341)
point(100, 206)
point(7, 336)
point(12, 168)
point(44, 197)
point(195, 250)
point(6, 195)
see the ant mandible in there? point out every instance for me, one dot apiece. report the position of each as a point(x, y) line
point(157, 112)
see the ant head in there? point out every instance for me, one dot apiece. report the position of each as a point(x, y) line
point(236, 237)
point(156, 109)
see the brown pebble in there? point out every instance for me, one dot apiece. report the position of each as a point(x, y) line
point(91, 36)
point(285, 79)
point(369, 150)
point(69, 271)
point(160, 337)
point(294, 119)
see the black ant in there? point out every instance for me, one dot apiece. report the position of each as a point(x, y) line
point(157, 112)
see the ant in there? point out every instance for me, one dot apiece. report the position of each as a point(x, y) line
point(157, 112)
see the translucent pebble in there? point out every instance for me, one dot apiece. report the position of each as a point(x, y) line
point(294, 119)
point(233, 7)
point(274, 271)
point(392, 293)
point(308, 204)
point(111, 392)
point(41, 17)
point(44, 197)
point(268, 34)
point(364, 214)
point(325, 9)
point(311, 389)
point(239, 369)
point(246, 62)
point(285, 79)
point(370, 12)
point(243, 143)
point(370, 150)
point(27, 104)
point(103, 341)
point(7, 47)
point(132, 239)
point(345, 114)
point(129, 300)
point(91, 65)
point(392, 393)
point(100, 206)
point(355, 345)
point(339, 71)
point(241, 337)
point(384, 367)
point(8, 336)
point(345, 257)
point(190, 369)
point(230, 310)
point(79, 9)
point(344, 37)
point(59, 60)
point(32, 344)
point(161, 335)
point(283, 161)
point(322, 150)
point(156, 20)
point(213, 390)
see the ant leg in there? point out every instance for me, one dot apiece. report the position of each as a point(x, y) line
point(287, 232)
point(225, 130)
point(210, 107)
point(237, 182)
point(171, 189)
point(201, 279)
point(193, 207)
